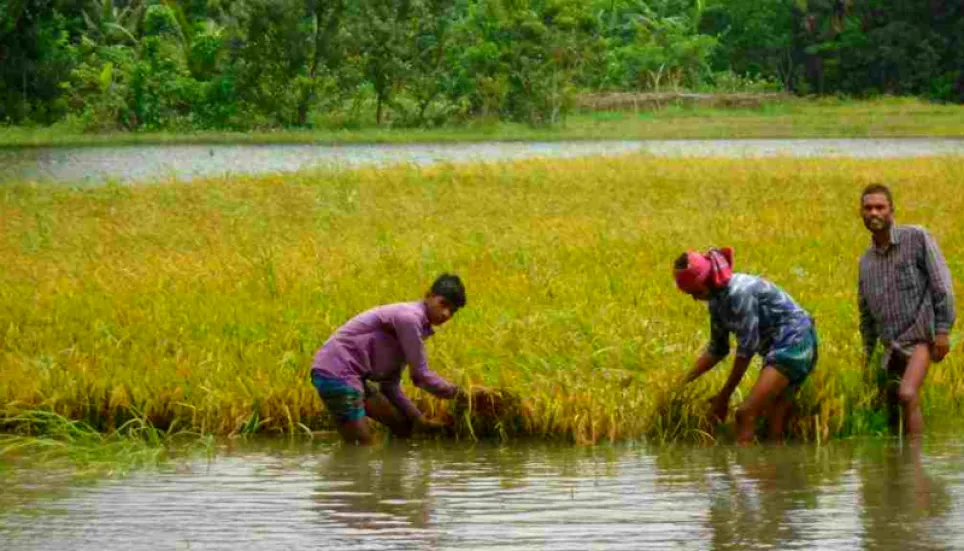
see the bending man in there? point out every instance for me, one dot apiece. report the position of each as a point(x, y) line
point(375, 346)
point(766, 321)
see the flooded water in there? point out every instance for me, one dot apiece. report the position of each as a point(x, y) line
point(184, 162)
point(846, 495)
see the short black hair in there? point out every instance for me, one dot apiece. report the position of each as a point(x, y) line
point(876, 188)
point(682, 262)
point(450, 287)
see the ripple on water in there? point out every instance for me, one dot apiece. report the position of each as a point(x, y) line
point(437, 496)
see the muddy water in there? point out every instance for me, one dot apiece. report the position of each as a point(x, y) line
point(159, 162)
point(846, 495)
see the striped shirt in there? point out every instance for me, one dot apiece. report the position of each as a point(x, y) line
point(905, 290)
point(764, 319)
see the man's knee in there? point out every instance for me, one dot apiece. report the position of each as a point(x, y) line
point(907, 394)
point(355, 432)
point(380, 409)
point(746, 413)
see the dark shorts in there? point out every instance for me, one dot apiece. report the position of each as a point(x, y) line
point(798, 359)
point(345, 402)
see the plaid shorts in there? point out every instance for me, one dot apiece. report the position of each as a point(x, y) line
point(798, 359)
point(345, 402)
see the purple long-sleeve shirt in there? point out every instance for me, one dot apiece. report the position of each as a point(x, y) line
point(375, 345)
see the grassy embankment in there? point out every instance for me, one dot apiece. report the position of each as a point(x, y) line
point(785, 118)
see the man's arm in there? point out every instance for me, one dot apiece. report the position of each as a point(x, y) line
point(740, 365)
point(942, 295)
point(392, 389)
point(411, 418)
point(704, 363)
point(720, 403)
point(868, 328)
point(942, 290)
point(748, 341)
point(408, 330)
point(717, 349)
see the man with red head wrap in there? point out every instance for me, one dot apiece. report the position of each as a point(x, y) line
point(765, 321)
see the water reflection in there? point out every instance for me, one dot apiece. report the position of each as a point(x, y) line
point(437, 495)
point(364, 490)
point(771, 497)
point(901, 501)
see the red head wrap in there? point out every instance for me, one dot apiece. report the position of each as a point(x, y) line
point(705, 271)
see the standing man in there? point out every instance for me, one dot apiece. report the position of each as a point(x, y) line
point(906, 302)
point(375, 346)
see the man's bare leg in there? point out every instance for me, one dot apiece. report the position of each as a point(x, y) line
point(770, 384)
point(777, 418)
point(908, 393)
point(377, 408)
point(381, 409)
point(356, 432)
point(893, 373)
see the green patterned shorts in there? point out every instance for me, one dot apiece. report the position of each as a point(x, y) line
point(343, 401)
point(797, 360)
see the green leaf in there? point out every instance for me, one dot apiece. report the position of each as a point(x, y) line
point(106, 77)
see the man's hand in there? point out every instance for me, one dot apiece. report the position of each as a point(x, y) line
point(486, 402)
point(429, 426)
point(940, 347)
point(476, 393)
point(703, 364)
point(719, 407)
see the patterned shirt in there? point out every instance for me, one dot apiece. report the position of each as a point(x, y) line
point(763, 318)
point(375, 345)
point(905, 292)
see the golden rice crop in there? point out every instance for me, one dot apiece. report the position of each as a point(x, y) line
point(202, 303)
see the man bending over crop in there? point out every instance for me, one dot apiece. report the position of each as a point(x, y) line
point(765, 321)
point(375, 346)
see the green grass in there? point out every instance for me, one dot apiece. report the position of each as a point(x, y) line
point(42, 439)
point(795, 118)
point(43, 454)
point(199, 306)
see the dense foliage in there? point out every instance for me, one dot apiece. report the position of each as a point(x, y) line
point(238, 64)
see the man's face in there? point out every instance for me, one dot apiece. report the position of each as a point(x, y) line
point(439, 309)
point(877, 212)
point(702, 294)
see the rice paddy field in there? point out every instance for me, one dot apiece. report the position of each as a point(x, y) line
point(198, 306)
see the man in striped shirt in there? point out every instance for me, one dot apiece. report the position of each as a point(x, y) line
point(906, 303)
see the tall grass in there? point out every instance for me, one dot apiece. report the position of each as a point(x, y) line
point(789, 118)
point(50, 440)
point(200, 305)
